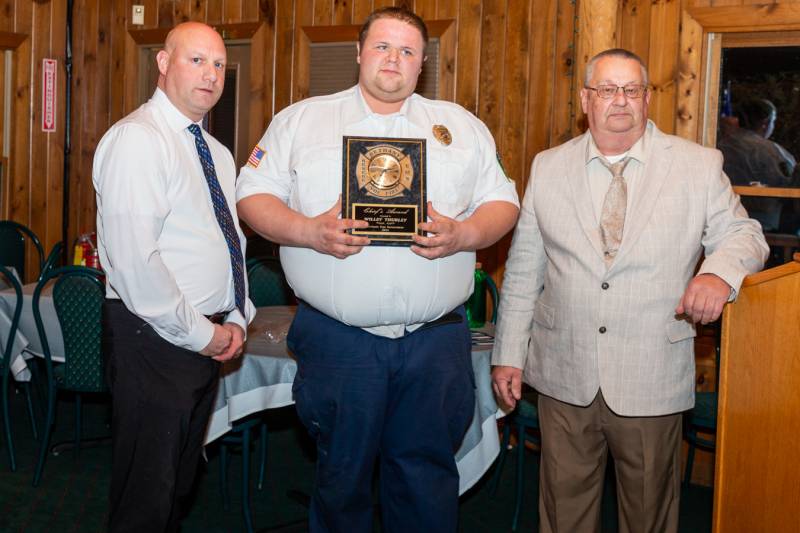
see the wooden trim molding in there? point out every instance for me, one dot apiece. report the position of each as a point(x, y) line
point(754, 17)
point(10, 41)
point(229, 32)
point(698, 48)
point(771, 192)
point(349, 32)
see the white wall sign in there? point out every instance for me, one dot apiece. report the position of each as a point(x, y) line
point(49, 67)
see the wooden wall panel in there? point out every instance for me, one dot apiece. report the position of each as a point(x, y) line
point(361, 8)
point(665, 18)
point(22, 125)
point(512, 65)
point(468, 54)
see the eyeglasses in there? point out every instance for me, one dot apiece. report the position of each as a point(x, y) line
point(610, 91)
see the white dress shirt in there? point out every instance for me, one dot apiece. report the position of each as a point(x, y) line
point(385, 290)
point(159, 241)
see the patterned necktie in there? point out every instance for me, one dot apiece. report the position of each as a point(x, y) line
point(223, 215)
point(612, 217)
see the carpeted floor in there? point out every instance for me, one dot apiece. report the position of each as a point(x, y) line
point(72, 495)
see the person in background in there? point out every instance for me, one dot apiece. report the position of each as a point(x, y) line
point(383, 350)
point(177, 305)
point(752, 159)
point(601, 296)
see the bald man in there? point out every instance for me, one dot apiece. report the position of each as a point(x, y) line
point(176, 298)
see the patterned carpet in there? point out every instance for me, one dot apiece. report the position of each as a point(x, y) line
point(73, 492)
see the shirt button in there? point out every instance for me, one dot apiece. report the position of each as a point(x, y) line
point(604, 286)
point(602, 329)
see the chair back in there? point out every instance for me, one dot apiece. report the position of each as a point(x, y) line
point(12, 246)
point(78, 294)
point(8, 279)
point(53, 260)
point(267, 283)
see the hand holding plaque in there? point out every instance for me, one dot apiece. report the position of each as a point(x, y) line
point(384, 183)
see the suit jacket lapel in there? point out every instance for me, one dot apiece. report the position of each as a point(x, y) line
point(575, 169)
point(652, 179)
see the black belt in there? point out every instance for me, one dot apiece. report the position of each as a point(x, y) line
point(217, 318)
point(450, 318)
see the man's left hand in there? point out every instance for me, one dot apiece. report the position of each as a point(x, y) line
point(237, 343)
point(445, 236)
point(704, 298)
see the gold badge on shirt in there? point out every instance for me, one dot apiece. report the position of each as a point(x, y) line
point(442, 134)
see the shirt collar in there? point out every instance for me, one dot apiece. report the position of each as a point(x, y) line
point(176, 120)
point(358, 109)
point(638, 151)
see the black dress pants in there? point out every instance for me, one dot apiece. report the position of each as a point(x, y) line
point(162, 397)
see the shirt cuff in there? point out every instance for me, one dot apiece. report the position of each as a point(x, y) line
point(200, 335)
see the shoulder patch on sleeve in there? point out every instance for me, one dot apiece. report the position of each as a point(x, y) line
point(255, 156)
point(500, 162)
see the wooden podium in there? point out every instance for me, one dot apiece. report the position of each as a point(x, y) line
point(757, 483)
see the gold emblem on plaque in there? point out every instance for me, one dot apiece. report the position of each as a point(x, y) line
point(384, 171)
point(442, 134)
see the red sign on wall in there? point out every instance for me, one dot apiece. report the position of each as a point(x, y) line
point(49, 68)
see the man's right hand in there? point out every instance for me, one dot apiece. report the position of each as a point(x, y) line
point(507, 385)
point(326, 233)
point(219, 343)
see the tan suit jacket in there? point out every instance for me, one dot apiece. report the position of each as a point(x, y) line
point(576, 326)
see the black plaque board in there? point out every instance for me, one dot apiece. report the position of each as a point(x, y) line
point(384, 182)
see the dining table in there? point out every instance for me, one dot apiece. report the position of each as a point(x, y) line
point(262, 379)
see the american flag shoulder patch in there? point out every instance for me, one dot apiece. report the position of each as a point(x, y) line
point(255, 156)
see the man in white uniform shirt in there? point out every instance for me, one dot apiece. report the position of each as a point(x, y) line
point(383, 350)
point(176, 304)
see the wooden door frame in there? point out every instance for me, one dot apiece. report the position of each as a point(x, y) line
point(697, 87)
point(10, 41)
point(252, 33)
point(703, 32)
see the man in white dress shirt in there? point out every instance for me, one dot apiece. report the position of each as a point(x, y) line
point(176, 304)
point(384, 367)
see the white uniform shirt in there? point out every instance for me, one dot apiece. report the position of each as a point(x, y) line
point(382, 289)
point(159, 241)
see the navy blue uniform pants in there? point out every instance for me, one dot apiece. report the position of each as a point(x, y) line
point(162, 397)
point(404, 404)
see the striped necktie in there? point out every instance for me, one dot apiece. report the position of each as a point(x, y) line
point(612, 217)
point(223, 215)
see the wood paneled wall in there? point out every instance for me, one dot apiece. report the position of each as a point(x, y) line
point(32, 188)
point(516, 66)
point(512, 67)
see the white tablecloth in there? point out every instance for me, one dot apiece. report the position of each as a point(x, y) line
point(262, 379)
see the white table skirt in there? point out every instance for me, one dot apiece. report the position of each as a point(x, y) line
point(262, 379)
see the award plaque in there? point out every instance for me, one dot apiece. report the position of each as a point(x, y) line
point(384, 183)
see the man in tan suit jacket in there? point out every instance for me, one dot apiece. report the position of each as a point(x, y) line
point(600, 300)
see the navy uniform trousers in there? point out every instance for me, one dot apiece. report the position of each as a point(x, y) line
point(404, 404)
point(162, 397)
